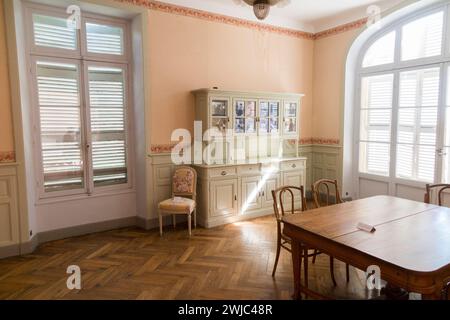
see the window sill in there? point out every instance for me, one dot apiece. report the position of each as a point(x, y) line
point(78, 197)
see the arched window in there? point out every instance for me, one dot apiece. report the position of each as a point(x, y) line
point(402, 104)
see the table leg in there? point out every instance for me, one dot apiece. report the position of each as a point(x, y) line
point(305, 262)
point(297, 254)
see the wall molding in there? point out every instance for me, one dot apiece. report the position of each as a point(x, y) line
point(320, 141)
point(341, 29)
point(219, 18)
point(163, 149)
point(7, 156)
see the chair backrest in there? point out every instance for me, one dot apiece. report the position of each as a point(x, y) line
point(439, 188)
point(287, 195)
point(184, 182)
point(321, 191)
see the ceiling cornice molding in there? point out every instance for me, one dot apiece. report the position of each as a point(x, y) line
point(215, 17)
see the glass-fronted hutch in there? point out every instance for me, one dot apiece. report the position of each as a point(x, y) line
point(252, 149)
point(257, 124)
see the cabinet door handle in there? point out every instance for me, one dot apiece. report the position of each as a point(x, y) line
point(263, 193)
point(235, 197)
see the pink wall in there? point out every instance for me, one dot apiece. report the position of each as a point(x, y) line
point(188, 53)
point(330, 56)
point(6, 130)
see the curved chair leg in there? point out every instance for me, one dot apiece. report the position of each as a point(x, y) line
point(160, 224)
point(174, 221)
point(347, 272)
point(332, 271)
point(276, 258)
point(315, 256)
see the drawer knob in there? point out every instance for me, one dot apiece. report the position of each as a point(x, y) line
point(294, 166)
point(224, 173)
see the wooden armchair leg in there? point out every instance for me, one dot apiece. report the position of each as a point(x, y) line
point(189, 224)
point(333, 278)
point(195, 218)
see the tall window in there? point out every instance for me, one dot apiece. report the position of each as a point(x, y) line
point(80, 97)
point(404, 95)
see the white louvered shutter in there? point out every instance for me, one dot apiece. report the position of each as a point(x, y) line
point(417, 124)
point(422, 38)
point(375, 129)
point(107, 112)
point(54, 32)
point(104, 39)
point(60, 124)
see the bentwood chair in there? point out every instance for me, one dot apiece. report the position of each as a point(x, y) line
point(431, 189)
point(323, 197)
point(183, 201)
point(282, 207)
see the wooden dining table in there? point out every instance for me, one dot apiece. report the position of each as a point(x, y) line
point(411, 244)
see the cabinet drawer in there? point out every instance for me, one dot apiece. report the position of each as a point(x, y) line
point(222, 172)
point(293, 165)
point(249, 169)
point(273, 167)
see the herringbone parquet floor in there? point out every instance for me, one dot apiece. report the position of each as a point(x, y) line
point(230, 262)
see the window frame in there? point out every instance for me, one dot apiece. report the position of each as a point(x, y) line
point(33, 49)
point(442, 61)
point(82, 59)
point(100, 19)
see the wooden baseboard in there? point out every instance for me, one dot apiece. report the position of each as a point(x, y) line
point(43, 237)
point(9, 251)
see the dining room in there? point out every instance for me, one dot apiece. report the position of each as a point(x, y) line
point(225, 150)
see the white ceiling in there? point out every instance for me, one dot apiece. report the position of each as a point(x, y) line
point(305, 15)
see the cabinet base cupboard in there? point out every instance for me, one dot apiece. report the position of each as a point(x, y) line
point(232, 193)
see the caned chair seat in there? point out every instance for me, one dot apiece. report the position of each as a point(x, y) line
point(180, 205)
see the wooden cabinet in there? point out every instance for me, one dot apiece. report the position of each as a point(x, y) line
point(233, 193)
point(250, 194)
point(224, 198)
point(270, 183)
point(248, 152)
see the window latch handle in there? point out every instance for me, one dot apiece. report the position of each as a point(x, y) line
point(440, 152)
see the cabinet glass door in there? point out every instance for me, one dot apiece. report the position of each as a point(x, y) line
point(244, 117)
point(239, 117)
point(269, 114)
point(290, 117)
point(219, 115)
point(250, 117)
